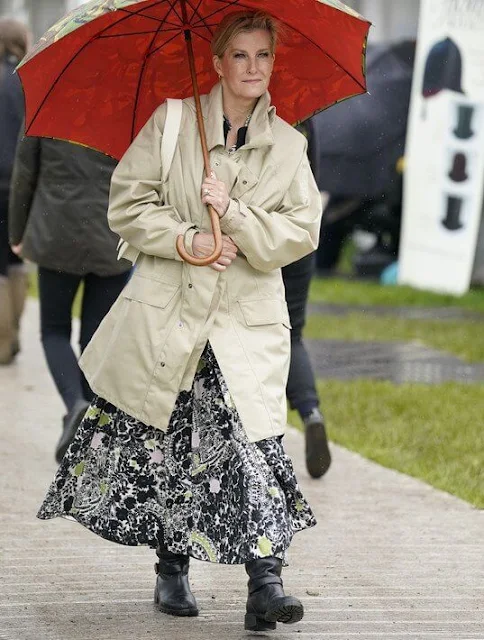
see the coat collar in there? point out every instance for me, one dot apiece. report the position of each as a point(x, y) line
point(259, 133)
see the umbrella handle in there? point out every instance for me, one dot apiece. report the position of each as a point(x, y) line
point(203, 262)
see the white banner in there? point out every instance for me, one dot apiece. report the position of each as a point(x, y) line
point(444, 158)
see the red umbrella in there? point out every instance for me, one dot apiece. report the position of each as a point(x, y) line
point(98, 74)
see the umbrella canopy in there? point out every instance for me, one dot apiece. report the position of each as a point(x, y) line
point(361, 140)
point(98, 74)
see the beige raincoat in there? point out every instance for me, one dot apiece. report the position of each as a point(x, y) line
point(148, 346)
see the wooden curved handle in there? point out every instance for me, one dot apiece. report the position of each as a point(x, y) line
point(214, 219)
point(203, 262)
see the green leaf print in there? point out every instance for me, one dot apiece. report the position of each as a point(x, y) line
point(79, 468)
point(265, 546)
point(104, 419)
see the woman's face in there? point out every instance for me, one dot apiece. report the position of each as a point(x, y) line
point(246, 65)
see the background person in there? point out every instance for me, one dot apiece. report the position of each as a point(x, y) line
point(14, 41)
point(301, 384)
point(58, 219)
point(183, 445)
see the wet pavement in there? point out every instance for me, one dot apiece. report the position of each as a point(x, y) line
point(391, 557)
point(395, 361)
point(408, 313)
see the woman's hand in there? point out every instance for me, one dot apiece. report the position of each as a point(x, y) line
point(203, 245)
point(215, 192)
point(17, 249)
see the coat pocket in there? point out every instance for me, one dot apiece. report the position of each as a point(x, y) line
point(152, 292)
point(265, 312)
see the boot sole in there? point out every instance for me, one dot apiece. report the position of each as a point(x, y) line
point(318, 456)
point(182, 613)
point(288, 611)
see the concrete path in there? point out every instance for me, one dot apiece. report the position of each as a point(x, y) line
point(390, 559)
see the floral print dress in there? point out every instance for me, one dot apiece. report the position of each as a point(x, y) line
point(200, 489)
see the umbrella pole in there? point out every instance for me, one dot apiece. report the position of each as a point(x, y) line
point(214, 218)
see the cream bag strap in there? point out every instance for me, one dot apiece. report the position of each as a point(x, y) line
point(169, 139)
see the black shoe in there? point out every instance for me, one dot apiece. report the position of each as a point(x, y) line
point(318, 456)
point(267, 603)
point(71, 422)
point(172, 591)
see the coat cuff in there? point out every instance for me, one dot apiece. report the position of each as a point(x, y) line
point(233, 219)
point(188, 231)
point(188, 239)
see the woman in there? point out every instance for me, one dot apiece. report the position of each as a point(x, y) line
point(14, 42)
point(182, 449)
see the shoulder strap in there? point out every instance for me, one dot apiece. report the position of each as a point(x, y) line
point(169, 139)
point(170, 134)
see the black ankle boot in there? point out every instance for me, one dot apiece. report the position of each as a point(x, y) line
point(172, 591)
point(267, 602)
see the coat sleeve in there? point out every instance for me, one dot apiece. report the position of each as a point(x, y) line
point(23, 184)
point(272, 239)
point(135, 212)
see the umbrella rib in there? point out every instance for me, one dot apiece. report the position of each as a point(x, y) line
point(140, 80)
point(196, 12)
point(199, 35)
point(290, 26)
point(197, 7)
point(162, 45)
point(134, 33)
point(214, 13)
point(138, 13)
point(78, 52)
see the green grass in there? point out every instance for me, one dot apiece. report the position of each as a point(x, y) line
point(340, 291)
point(462, 338)
point(433, 433)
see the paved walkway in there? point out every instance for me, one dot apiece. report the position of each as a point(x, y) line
point(390, 559)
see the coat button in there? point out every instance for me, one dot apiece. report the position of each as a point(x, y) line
point(244, 181)
point(162, 364)
point(190, 286)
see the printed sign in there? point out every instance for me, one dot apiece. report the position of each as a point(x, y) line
point(444, 167)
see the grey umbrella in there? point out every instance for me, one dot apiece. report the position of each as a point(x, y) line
point(360, 140)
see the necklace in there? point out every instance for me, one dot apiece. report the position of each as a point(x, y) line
point(234, 147)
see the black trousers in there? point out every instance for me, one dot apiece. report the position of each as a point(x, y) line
point(57, 291)
point(301, 387)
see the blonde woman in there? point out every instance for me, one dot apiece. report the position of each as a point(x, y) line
point(182, 448)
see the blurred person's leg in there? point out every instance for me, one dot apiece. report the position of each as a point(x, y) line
point(301, 386)
point(18, 280)
point(339, 218)
point(7, 318)
point(57, 291)
point(99, 295)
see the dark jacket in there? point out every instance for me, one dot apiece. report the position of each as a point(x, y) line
point(58, 204)
point(11, 114)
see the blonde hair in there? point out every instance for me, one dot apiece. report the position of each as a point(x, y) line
point(242, 22)
point(14, 38)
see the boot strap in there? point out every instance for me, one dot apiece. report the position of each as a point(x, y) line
point(255, 585)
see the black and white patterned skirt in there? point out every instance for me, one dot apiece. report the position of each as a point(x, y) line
point(202, 488)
